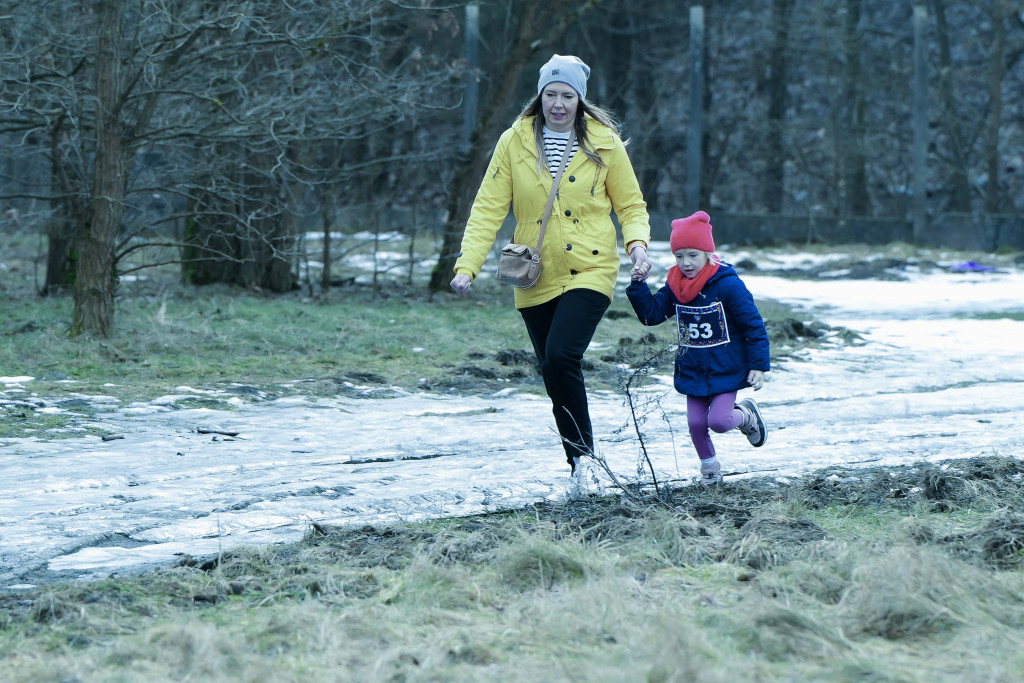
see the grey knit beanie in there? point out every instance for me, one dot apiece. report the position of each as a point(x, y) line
point(565, 69)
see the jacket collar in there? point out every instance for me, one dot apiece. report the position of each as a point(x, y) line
point(599, 135)
point(724, 270)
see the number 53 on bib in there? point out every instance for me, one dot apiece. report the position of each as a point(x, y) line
point(702, 326)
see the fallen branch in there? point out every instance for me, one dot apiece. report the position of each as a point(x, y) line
point(204, 430)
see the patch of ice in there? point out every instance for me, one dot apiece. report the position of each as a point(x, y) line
point(115, 557)
point(144, 409)
point(190, 390)
point(382, 236)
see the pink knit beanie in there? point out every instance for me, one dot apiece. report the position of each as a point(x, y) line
point(692, 233)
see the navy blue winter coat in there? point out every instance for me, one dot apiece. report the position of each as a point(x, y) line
point(710, 370)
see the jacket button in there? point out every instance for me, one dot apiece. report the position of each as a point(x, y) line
point(572, 272)
point(568, 247)
point(595, 252)
point(568, 212)
point(572, 179)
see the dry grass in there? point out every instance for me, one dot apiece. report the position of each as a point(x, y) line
point(754, 581)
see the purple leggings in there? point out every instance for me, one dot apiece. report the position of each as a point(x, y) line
point(718, 413)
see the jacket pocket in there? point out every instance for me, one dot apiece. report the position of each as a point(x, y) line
point(591, 243)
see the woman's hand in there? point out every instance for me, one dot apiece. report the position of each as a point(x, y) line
point(461, 283)
point(641, 264)
point(755, 378)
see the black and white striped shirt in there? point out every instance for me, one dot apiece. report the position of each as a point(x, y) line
point(554, 148)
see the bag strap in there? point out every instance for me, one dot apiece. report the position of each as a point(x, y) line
point(554, 190)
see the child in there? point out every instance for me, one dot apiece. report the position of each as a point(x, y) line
point(723, 343)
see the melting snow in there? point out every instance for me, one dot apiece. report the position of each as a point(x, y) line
point(939, 375)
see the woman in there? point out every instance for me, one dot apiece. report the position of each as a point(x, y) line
point(579, 255)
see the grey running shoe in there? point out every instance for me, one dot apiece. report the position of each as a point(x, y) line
point(710, 479)
point(753, 425)
point(710, 475)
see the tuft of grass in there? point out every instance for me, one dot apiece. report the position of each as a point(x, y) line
point(538, 563)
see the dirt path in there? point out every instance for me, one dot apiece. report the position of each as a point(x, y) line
point(939, 376)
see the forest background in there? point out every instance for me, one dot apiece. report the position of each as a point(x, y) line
point(218, 135)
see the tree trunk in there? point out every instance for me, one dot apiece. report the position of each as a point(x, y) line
point(66, 215)
point(279, 273)
point(959, 180)
point(210, 245)
point(326, 211)
point(854, 199)
point(775, 161)
point(96, 281)
point(228, 241)
point(539, 22)
point(995, 88)
point(60, 254)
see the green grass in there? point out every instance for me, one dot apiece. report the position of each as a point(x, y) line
point(212, 336)
point(16, 422)
point(999, 316)
point(229, 339)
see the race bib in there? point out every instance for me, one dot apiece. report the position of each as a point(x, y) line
point(702, 326)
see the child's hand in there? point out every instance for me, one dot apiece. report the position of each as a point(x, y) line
point(755, 378)
point(641, 264)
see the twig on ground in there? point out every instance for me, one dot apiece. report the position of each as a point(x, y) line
point(204, 430)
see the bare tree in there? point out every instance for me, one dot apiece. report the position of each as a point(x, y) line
point(958, 153)
point(853, 189)
point(215, 104)
point(992, 196)
point(777, 84)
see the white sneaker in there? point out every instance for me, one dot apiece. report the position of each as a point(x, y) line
point(753, 425)
point(710, 474)
point(710, 479)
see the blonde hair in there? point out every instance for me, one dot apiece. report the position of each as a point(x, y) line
point(603, 116)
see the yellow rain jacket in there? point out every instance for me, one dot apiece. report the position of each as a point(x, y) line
point(579, 249)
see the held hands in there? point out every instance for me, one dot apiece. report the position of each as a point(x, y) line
point(755, 378)
point(641, 264)
point(461, 283)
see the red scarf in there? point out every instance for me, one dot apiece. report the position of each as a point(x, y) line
point(686, 290)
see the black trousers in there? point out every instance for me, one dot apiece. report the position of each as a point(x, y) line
point(561, 330)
